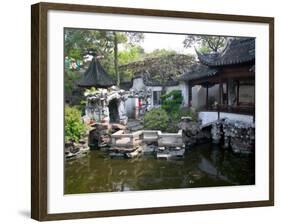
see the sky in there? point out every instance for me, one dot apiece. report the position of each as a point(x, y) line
point(153, 41)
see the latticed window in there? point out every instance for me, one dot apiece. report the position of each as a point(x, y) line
point(156, 98)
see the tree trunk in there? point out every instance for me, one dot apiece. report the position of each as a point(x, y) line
point(116, 58)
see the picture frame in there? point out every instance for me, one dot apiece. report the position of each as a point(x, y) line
point(40, 155)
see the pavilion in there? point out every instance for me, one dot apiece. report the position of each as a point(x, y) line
point(95, 76)
point(232, 72)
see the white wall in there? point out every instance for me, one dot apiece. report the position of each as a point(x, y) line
point(199, 95)
point(207, 117)
point(130, 105)
point(171, 88)
point(214, 92)
point(15, 117)
point(138, 83)
point(184, 91)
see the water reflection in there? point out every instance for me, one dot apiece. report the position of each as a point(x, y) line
point(203, 166)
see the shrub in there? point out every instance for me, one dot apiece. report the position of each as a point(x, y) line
point(187, 112)
point(74, 127)
point(171, 101)
point(175, 118)
point(156, 119)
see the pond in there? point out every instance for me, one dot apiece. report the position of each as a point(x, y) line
point(205, 165)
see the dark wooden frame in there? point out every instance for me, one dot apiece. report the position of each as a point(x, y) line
point(39, 110)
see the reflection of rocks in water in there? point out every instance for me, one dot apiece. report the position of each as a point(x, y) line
point(226, 166)
point(207, 167)
point(74, 150)
point(149, 149)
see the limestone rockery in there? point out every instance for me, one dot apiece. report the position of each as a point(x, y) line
point(236, 135)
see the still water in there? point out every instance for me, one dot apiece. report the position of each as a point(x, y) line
point(203, 166)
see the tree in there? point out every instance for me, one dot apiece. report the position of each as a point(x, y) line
point(128, 55)
point(206, 43)
point(116, 58)
point(77, 40)
point(133, 37)
point(161, 53)
point(171, 101)
point(161, 68)
point(104, 43)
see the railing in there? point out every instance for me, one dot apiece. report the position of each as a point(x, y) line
point(239, 109)
point(122, 139)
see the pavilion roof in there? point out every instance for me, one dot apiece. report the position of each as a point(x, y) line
point(198, 71)
point(237, 51)
point(96, 76)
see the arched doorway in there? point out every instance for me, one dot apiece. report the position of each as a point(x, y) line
point(113, 111)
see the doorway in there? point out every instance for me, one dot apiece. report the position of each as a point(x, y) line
point(113, 111)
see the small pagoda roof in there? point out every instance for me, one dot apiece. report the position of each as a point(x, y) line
point(237, 51)
point(95, 76)
point(198, 71)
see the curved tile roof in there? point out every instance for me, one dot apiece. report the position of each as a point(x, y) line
point(95, 76)
point(237, 51)
point(198, 71)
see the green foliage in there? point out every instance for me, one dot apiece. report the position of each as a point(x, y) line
point(156, 119)
point(75, 53)
point(104, 43)
point(171, 101)
point(131, 53)
point(69, 79)
point(168, 117)
point(175, 118)
point(168, 66)
point(74, 127)
point(161, 53)
point(204, 49)
point(205, 43)
point(76, 41)
point(159, 119)
point(187, 112)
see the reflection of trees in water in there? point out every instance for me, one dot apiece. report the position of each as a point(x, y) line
point(74, 172)
point(159, 174)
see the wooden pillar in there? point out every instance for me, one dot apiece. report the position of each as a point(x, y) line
point(227, 87)
point(254, 115)
point(220, 92)
point(207, 96)
point(220, 98)
point(237, 92)
point(189, 94)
